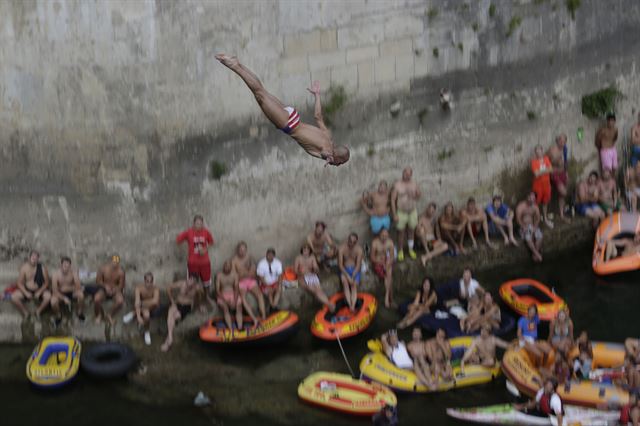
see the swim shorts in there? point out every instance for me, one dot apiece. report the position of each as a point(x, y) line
point(635, 155)
point(380, 270)
point(407, 219)
point(350, 270)
point(247, 283)
point(528, 233)
point(311, 280)
point(559, 178)
point(228, 297)
point(609, 158)
point(202, 271)
point(582, 208)
point(294, 120)
point(378, 223)
point(542, 188)
point(184, 310)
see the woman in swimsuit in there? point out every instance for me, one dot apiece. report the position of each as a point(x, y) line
point(561, 332)
point(425, 298)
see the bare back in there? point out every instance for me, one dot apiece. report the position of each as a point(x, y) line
point(315, 141)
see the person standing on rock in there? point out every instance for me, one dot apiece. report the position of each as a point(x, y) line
point(198, 239)
point(606, 138)
point(382, 257)
point(65, 286)
point(350, 256)
point(33, 284)
point(541, 168)
point(111, 282)
point(376, 205)
point(404, 197)
point(528, 218)
point(559, 176)
point(315, 140)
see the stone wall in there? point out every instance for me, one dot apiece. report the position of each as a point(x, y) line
point(112, 112)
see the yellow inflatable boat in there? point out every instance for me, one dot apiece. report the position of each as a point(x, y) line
point(54, 362)
point(377, 367)
point(520, 369)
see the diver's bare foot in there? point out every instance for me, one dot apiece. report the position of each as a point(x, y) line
point(166, 345)
point(227, 61)
point(514, 242)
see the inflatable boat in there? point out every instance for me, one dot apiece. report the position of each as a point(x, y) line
point(521, 293)
point(54, 362)
point(618, 225)
point(343, 323)
point(275, 328)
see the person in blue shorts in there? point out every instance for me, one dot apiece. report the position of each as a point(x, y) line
point(350, 256)
point(501, 220)
point(376, 205)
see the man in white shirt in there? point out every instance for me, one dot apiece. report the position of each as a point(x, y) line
point(547, 402)
point(396, 350)
point(269, 272)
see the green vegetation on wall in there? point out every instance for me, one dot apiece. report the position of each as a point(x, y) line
point(514, 23)
point(217, 169)
point(492, 10)
point(597, 104)
point(337, 97)
point(572, 6)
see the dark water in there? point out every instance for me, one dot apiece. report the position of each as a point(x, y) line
point(607, 309)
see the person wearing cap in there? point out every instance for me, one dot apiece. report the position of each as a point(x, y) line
point(111, 282)
point(546, 402)
point(606, 138)
point(198, 239)
point(322, 245)
point(269, 272)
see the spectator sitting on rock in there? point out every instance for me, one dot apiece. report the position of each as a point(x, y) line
point(528, 218)
point(181, 305)
point(245, 267)
point(350, 256)
point(429, 234)
point(588, 195)
point(146, 300)
point(307, 270)
point(111, 282)
point(65, 286)
point(632, 183)
point(500, 218)
point(322, 245)
point(269, 272)
point(376, 205)
point(33, 284)
point(476, 219)
point(452, 228)
point(606, 138)
point(609, 194)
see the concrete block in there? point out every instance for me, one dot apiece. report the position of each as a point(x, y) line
point(402, 26)
point(396, 47)
point(421, 65)
point(360, 54)
point(293, 65)
point(329, 39)
point(404, 67)
point(346, 75)
point(366, 75)
point(385, 69)
point(322, 60)
point(303, 43)
point(362, 35)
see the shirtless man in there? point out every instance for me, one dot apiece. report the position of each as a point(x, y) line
point(33, 284)
point(623, 247)
point(483, 349)
point(244, 265)
point(475, 218)
point(588, 194)
point(631, 378)
point(439, 351)
point(146, 300)
point(609, 195)
point(452, 228)
point(418, 352)
point(500, 218)
point(65, 285)
point(559, 176)
point(635, 142)
point(111, 282)
point(376, 205)
point(382, 256)
point(606, 138)
point(632, 182)
point(322, 245)
point(528, 218)
point(228, 294)
point(181, 305)
point(317, 141)
point(350, 261)
point(307, 269)
point(404, 196)
point(429, 234)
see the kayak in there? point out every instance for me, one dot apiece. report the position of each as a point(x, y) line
point(343, 393)
point(507, 414)
point(377, 367)
point(54, 362)
point(276, 327)
point(521, 293)
point(618, 225)
point(343, 323)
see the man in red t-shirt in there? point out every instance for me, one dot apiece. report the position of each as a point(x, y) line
point(541, 168)
point(198, 239)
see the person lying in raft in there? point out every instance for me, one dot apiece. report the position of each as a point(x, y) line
point(396, 350)
point(622, 247)
point(488, 313)
point(425, 299)
point(228, 294)
point(546, 402)
point(181, 305)
point(316, 140)
point(439, 351)
point(307, 268)
point(561, 332)
point(528, 334)
point(483, 349)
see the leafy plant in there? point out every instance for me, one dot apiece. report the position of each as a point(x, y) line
point(217, 169)
point(436, 52)
point(371, 150)
point(461, 47)
point(514, 23)
point(337, 99)
point(492, 10)
point(572, 6)
point(445, 153)
point(531, 115)
point(597, 104)
point(475, 27)
point(432, 13)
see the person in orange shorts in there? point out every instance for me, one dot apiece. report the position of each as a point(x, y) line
point(541, 168)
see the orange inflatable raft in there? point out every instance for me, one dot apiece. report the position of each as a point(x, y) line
point(519, 368)
point(618, 225)
point(276, 327)
point(521, 293)
point(343, 323)
point(341, 392)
